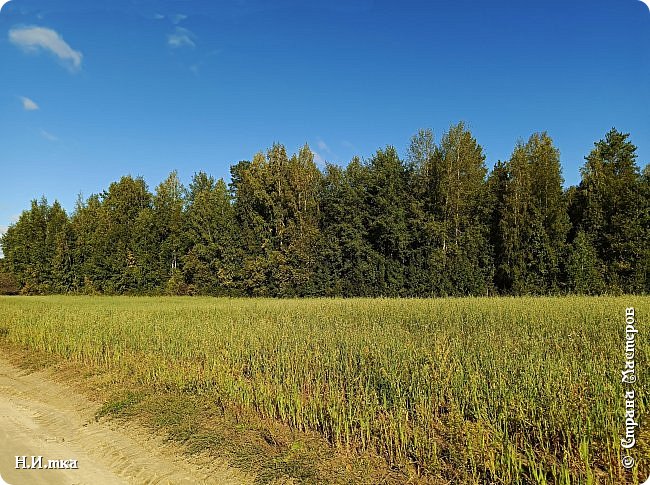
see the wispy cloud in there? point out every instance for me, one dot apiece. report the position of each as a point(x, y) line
point(174, 19)
point(322, 146)
point(49, 136)
point(181, 38)
point(28, 104)
point(178, 18)
point(33, 38)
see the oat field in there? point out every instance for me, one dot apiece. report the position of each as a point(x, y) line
point(471, 390)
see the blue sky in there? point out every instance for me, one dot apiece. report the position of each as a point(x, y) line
point(92, 91)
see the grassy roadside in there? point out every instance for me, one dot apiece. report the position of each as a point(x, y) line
point(267, 450)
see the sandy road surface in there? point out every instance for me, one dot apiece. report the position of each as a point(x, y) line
point(40, 417)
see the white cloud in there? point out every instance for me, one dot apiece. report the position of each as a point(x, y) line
point(34, 38)
point(49, 136)
point(179, 17)
point(28, 104)
point(181, 38)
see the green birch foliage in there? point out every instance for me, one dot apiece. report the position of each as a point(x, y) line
point(253, 216)
point(167, 205)
point(117, 236)
point(430, 225)
point(88, 265)
point(450, 211)
point(549, 201)
point(60, 243)
point(519, 228)
point(303, 237)
point(277, 207)
point(533, 222)
point(421, 275)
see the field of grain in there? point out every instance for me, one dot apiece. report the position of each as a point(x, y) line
point(476, 390)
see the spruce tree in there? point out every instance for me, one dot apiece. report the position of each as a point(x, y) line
point(612, 190)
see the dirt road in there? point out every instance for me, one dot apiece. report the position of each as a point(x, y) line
point(43, 418)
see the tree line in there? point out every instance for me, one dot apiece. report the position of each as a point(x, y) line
point(434, 223)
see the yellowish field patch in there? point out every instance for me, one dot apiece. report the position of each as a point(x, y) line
point(472, 390)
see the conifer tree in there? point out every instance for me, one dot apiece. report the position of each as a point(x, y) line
point(209, 223)
point(612, 190)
